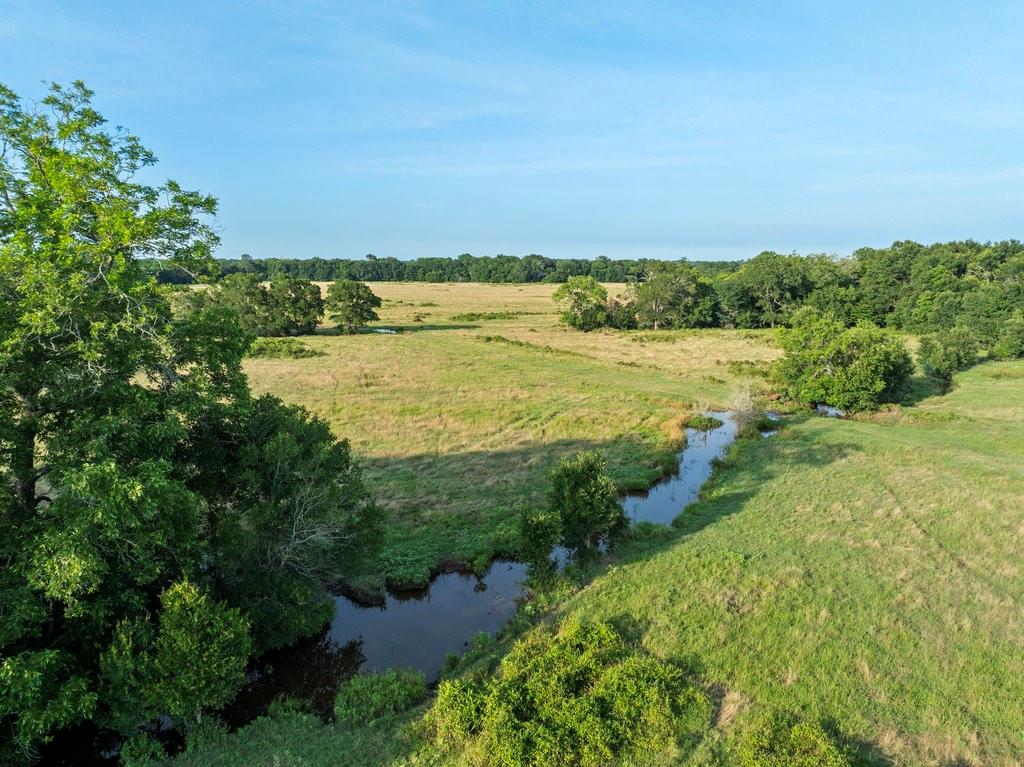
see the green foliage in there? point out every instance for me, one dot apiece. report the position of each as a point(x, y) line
point(42, 692)
point(909, 286)
point(281, 605)
point(367, 697)
point(142, 751)
point(782, 742)
point(580, 696)
point(583, 302)
point(622, 313)
point(281, 348)
point(305, 505)
point(539, 532)
point(200, 652)
point(139, 480)
point(703, 422)
point(1010, 344)
point(194, 659)
point(675, 297)
point(282, 307)
point(944, 353)
point(776, 285)
point(475, 316)
point(351, 305)
point(749, 368)
point(585, 501)
point(851, 368)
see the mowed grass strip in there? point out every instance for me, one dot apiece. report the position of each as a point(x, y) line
point(867, 573)
point(457, 423)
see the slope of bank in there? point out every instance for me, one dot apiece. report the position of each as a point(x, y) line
point(865, 573)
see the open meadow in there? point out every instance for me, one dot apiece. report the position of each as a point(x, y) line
point(862, 572)
point(458, 416)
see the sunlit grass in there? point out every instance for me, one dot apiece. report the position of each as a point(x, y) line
point(456, 422)
point(866, 573)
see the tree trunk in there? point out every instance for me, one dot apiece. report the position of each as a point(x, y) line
point(23, 453)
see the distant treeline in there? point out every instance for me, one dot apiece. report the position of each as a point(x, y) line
point(909, 286)
point(465, 268)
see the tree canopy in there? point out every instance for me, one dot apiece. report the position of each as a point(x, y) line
point(352, 304)
point(850, 368)
point(583, 301)
point(284, 306)
point(153, 510)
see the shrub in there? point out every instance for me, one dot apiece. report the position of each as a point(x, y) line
point(944, 353)
point(850, 368)
point(458, 712)
point(367, 697)
point(539, 531)
point(474, 316)
point(621, 312)
point(1010, 344)
point(580, 696)
point(583, 302)
point(142, 751)
point(747, 412)
point(781, 742)
point(585, 501)
point(281, 348)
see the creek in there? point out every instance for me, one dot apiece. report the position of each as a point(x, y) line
point(420, 628)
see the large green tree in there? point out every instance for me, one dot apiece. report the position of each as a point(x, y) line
point(352, 304)
point(284, 306)
point(675, 297)
point(851, 368)
point(584, 303)
point(130, 447)
point(777, 284)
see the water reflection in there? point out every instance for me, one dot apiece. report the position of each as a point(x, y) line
point(420, 628)
point(415, 629)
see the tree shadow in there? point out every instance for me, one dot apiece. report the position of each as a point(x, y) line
point(415, 327)
point(922, 387)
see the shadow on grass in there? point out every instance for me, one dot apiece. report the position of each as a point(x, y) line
point(414, 327)
point(922, 387)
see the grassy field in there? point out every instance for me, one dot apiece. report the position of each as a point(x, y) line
point(865, 573)
point(457, 417)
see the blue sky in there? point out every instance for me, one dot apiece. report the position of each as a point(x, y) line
point(697, 130)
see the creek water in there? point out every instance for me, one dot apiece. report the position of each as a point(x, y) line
point(419, 629)
point(410, 629)
point(665, 500)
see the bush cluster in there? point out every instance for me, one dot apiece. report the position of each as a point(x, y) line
point(776, 741)
point(944, 353)
point(582, 510)
point(1010, 344)
point(850, 368)
point(281, 307)
point(367, 697)
point(281, 348)
point(581, 696)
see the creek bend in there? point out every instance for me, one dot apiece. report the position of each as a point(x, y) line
point(420, 628)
